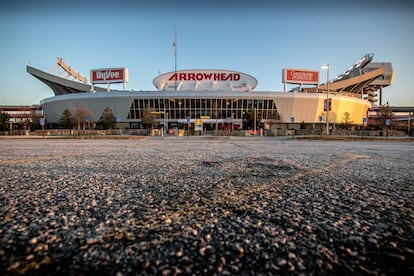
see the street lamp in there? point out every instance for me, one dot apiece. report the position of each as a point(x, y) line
point(327, 67)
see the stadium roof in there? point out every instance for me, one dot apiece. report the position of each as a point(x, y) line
point(61, 86)
point(361, 78)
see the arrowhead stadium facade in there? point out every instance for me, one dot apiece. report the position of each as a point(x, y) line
point(221, 97)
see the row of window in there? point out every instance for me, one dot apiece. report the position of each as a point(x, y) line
point(198, 108)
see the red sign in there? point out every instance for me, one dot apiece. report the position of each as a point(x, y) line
point(301, 76)
point(109, 75)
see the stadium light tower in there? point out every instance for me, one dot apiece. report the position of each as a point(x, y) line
point(327, 105)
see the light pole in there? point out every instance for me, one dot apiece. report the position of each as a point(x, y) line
point(327, 67)
point(254, 120)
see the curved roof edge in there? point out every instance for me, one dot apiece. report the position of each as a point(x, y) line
point(61, 86)
point(198, 95)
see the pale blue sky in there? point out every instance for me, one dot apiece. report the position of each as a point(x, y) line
point(258, 37)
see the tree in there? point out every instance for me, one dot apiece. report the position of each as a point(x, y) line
point(107, 118)
point(273, 118)
point(384, 113)
point(66, 120)
point(248, 118)
point(346, 119)
point(148, 117)
point(81, 116)
point(4, 120)
point(331, 116)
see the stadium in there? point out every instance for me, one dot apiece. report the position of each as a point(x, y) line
point(219, 99)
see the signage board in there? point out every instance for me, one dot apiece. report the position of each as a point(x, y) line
point(300, 76)
point(198, 124)
point(388, 122)
point(205, 80)
point(327, 104)
point(109, 75)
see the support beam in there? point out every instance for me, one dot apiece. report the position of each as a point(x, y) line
point(70, 71)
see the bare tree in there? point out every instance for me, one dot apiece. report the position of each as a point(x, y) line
point(148, 117)
point(331, 116)
point(384, 113)
point(81, 116)
point(273, 118)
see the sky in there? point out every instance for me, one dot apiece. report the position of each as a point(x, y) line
point(257, 37)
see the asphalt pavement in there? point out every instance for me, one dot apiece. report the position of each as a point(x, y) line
point(220, 206)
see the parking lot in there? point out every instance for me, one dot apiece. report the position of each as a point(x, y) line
point(204, 206)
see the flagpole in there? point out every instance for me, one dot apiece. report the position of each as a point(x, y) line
point(175, 57)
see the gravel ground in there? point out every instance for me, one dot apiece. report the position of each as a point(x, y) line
point(206, 206)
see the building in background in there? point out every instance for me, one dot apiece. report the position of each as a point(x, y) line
point(219, 98)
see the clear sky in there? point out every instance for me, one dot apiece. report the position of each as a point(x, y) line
point(257, 37)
